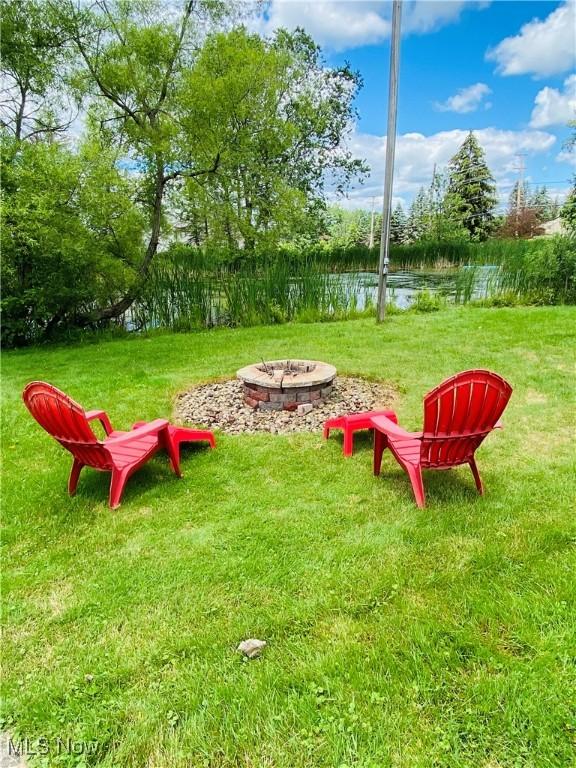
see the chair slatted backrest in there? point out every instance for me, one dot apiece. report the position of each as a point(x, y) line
point(66, 421)
point(459, 413)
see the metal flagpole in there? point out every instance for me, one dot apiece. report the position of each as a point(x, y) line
point(390, 148)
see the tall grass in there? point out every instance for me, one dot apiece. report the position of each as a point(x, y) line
point(420, 255)
point(182, 295)
point(190, 289)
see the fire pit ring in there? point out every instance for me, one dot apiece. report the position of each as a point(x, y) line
point(277, 385)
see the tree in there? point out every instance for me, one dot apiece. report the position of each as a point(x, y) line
point(471, 189)
point(568, 211)
point(132, 78)
point(542, 204)
point(398, 225)
point(444, 221)
point(71, 236)
point(33, 52)
point(418, 221)
point(278, 116)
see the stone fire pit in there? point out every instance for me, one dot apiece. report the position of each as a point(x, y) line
point(286, 385)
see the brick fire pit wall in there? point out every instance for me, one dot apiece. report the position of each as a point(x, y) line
point(286, 384)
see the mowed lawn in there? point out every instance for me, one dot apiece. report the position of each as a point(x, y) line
point(396, 636)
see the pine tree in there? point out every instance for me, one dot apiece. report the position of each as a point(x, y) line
point(398, 225)
point(518, 198)
point(471, 189)
point(418, 222)
point(543, 204)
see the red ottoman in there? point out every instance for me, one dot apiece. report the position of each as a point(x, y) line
point(352, 423)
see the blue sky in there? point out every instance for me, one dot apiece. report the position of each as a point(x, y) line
point(505, 69)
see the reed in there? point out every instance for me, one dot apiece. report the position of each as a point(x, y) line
point(190, 289)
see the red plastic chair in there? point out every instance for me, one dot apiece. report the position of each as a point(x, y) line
point(354, 422)
point(120, 453)
point(458, 415)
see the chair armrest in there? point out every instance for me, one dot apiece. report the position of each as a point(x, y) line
point(392, 430)
point(102, 417)
point(151, 428)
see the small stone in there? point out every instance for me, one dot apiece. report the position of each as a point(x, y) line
point(304, 409)
point(251, 647)
point(88, 678)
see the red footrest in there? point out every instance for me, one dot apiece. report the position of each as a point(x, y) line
point(354, 422)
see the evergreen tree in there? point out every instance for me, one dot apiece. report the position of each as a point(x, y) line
point(542, 204)
point(471, 189)
point(418, 222)
point(398, 225)
point(518, 198)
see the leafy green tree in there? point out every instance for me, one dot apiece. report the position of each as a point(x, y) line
point(278, 117)
point(568, 211)
point(132, 78)
point(471, 189)
point(34, 52)
point(348, 228)
point(444, 220)
point(70, 237)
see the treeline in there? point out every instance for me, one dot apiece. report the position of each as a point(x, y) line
point(459, 206)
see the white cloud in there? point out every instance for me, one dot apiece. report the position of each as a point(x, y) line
point(555, 107)
point(466, 99)
point(567, 156)
point(344, 24)
point(542, 48)
point(337, 25)
point(417, 154)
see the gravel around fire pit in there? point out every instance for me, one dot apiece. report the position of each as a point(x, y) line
point(221, 406)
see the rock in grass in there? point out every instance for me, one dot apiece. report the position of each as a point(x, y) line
point(252, 647)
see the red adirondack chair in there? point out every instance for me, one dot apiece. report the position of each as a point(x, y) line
point(120, 453)
point(458, 414)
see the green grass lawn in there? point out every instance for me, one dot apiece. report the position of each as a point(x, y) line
point(396, 636)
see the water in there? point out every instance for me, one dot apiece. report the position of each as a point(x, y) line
point(404, 285)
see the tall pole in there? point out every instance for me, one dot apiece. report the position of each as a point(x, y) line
point(390, 148)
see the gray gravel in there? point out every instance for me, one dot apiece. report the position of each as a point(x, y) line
point(221, 406)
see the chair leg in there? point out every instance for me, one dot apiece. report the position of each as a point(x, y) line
point(117, 483)
point(476, 474)
point(348, 441)
point(380, 442)
point(74, 475)
point(415, 475)
point(326, 433)
point(171, 445)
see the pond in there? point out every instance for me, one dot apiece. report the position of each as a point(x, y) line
point(404, 286)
